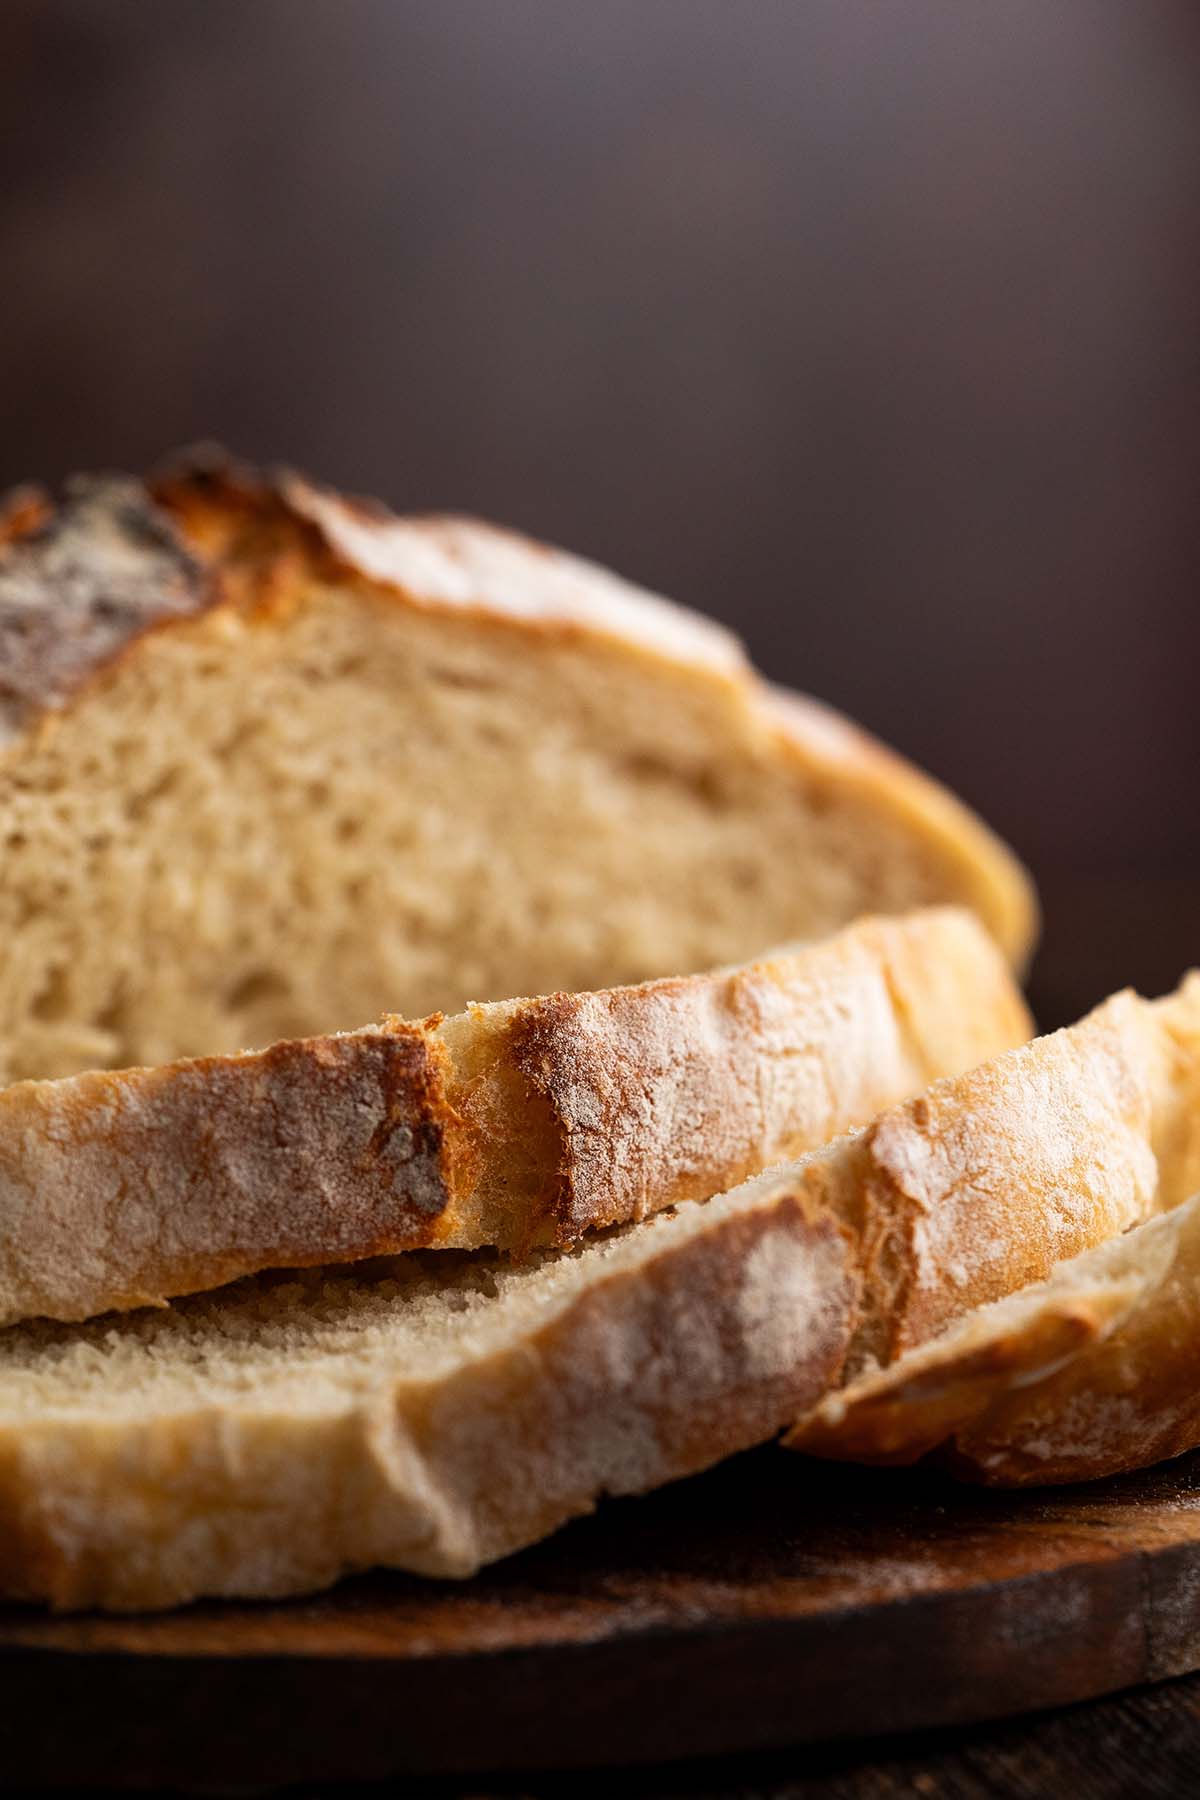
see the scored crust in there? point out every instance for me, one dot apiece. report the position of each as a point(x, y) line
point(92, 577)
point(519, 1123)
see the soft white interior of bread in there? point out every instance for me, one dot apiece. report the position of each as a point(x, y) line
point(251, 829)
point(315, 1339)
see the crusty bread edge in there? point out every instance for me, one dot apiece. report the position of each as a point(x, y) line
point(124, 1189)
point(988, 876)
point(1088, 1374)
point(724, 1321)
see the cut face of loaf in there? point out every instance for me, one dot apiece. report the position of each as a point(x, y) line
point(515, 1124)
point(271, 761)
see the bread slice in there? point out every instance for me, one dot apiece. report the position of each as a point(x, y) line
point(514, 1124)
point(984, 1183)
point(432, 1415)
point(1087, 1373)
point(271, 761)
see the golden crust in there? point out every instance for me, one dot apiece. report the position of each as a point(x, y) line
point(983, 1184)
point(1087, 1373)
point(1128, 1395)
point(682, 1087)
point(122, 1189)
point(118, 1190)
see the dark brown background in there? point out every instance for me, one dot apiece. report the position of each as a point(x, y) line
point(871, 328)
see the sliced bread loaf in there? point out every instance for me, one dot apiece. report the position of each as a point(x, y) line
point(271, 761)
point(448, 1408)
point(514, 1124)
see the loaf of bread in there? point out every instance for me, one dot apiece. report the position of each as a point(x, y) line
point(1093, 1370)
point(272, 762)
point(514, 1124)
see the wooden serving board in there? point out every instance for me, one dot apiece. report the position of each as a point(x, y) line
point(773, 1601)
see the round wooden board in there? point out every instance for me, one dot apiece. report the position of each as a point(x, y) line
point(774, 1601)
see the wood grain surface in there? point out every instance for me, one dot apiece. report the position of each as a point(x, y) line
point(773, 1602)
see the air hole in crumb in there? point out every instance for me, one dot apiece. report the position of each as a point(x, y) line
point(253, 989)
point(53, 1001)
point(113, 1017)
point(463, 678)
point(494, 734)
point(166, 783)
point(238, 739)
point(703, 784)
point(744, 876)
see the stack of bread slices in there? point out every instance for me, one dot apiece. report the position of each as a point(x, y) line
point(319, 1250)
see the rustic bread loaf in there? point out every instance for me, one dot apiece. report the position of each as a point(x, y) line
point(1092, 1370)
point(514, 1124)
point(271, 761)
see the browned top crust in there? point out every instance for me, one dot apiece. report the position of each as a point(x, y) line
point(244, 515)
point(79, 583)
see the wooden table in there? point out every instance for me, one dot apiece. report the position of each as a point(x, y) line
point(1143, 1745)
